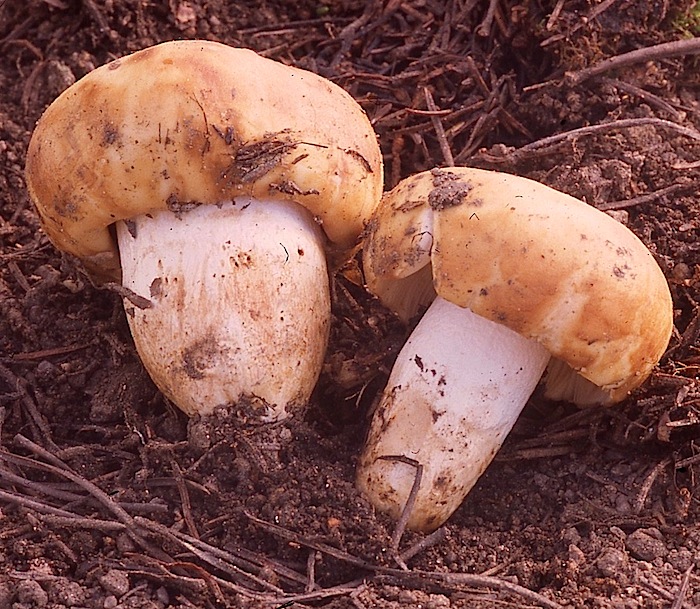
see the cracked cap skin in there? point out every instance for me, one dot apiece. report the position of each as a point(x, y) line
point(187, 123)
point(542, 263)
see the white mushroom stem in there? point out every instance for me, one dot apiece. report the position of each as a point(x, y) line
point(240, 303)
point(456, 390)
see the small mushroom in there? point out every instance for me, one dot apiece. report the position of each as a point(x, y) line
point(516, 276)
point(212, 183)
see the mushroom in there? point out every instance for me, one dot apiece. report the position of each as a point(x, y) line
point(211, 182)
point(517, 277)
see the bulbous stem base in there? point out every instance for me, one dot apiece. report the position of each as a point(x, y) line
point(456, 390)
point(240, 304)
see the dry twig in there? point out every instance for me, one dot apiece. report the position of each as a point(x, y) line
point(439, 129)
point(209, 554)
point(650, 98)
point(428, 541)
point(649, 197)
point(550, 144)
point(484, 28)
point(641, 498)
point(60, 469)
point(184, 497)
point(665, 50)
point(417, 577)
point(36, 419)
point(665, 594)
point(683, 590)
point(408, 508)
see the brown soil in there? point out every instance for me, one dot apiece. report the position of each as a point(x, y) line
point(110, 498)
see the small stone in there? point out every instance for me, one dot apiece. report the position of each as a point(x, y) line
point(163, 596)
point(611, 562)
point(407, 597)
point(576, 556)
point(115, 582)
point(643, 546)
point(199, 434)
point(622, 504)
point(618, 532)
point(110, 602)
point(67, 593)
point(571, 536)
point(5, 595)
point(622, 603)
point(30, 592)
point(681, 271)
point(437, 601)
point(125, 544)
point(681, 560)
point(621, 215)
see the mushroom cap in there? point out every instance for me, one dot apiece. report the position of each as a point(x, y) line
point(542, 263)
point(196, 122)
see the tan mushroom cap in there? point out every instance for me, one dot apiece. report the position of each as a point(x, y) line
point(540, 262)
point(197, 122)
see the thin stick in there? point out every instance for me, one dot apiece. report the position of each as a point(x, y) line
point(665, 50)
point(623, 123)
point(316, 545)
point(683, 590)
point(484, 28)
point(232, 570)
point(140, 302)
point(97, 15)
point(311, 570)
point(47, 533)
point(27, 356)
point(408, 507)
point(403, 577)
point(554, 16)
point(33, 504)
point(41, 452)
point(479, 581)
point(242, 558)
point(79, 522)
point(103, 498)
point(35, 417)
point(545, 145)
point(653, 100)
point(688, 461)
point(38, 487)
point(301, 24)
point(439, 129)
point(341, 590)
point(427, 542)
point(647, 484)
point(664, 593)
point(184, 498)
point(350, 33)
point(648, 197)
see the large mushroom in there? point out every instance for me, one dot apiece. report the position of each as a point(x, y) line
point(211, 182)
point(516, 277)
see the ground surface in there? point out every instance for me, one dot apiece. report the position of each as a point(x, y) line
point(106, 499)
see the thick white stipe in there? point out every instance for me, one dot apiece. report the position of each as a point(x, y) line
point(456, 390)
point(240, 303)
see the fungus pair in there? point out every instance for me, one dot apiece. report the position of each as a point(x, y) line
point(213, 182)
